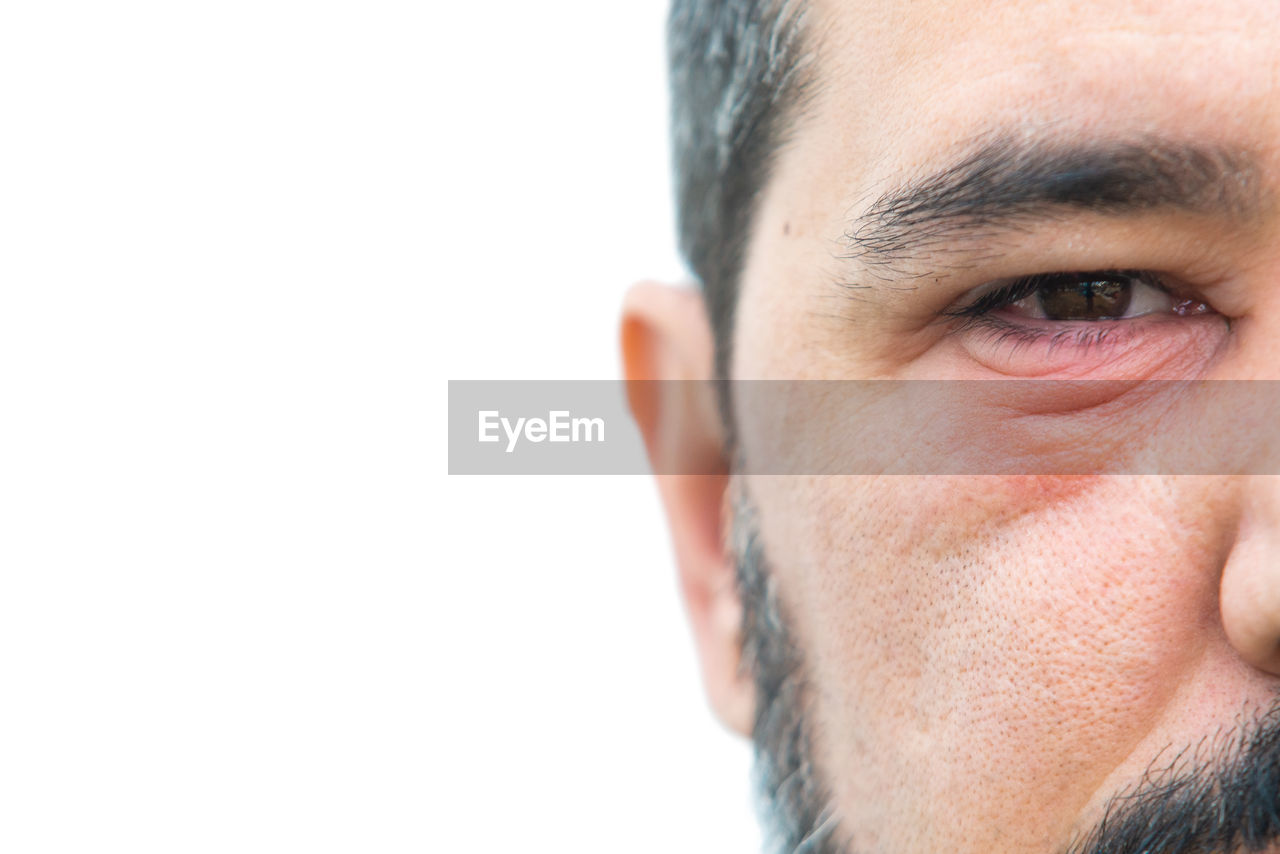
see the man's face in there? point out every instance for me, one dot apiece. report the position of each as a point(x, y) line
point(992, 659)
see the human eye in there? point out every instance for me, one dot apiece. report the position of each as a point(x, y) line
point(1047, 322)
point(1092, 296)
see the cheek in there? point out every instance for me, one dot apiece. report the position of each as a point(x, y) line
point(1063, 630)
point(1091, 621)
point(1022, 634)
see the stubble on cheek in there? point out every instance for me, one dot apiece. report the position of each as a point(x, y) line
point(987, 650)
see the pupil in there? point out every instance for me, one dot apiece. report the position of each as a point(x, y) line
point(1096, 299)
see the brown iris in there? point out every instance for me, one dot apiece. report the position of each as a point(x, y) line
point(1085, 299)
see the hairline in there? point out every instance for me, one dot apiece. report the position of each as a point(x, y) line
point(728, 126)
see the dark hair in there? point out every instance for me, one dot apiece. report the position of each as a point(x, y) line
point(736, 81)
point(736, 76)
point(793, 801)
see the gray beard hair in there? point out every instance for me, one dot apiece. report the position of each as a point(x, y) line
point(793, 803)
point(1218, 797)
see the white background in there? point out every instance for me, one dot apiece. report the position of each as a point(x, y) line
point(243, 246)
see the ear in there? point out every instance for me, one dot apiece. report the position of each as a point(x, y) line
point(666, 337)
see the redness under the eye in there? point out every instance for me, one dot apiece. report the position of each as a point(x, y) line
point(1042, 346)
point(1080, 335)
point(1169, 345)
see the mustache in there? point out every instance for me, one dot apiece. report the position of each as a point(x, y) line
point(1223, 802)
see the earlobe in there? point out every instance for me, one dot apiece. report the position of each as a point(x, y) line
point(667, 351)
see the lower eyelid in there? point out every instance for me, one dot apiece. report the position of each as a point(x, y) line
point(1121, 348)
point(1080, 334)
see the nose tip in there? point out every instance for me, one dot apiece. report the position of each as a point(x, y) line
point(1250, 592)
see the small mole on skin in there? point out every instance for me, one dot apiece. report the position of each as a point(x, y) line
point(786, 228)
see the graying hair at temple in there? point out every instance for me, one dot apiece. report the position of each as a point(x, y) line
point(737, 71)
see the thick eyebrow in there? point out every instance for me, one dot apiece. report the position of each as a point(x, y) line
point(1008, 184)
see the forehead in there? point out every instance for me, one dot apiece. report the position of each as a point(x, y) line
point(903, 69)
point(902, 85)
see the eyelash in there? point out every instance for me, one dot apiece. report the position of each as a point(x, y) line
point(1021, 288)
point(1082, 334)
point(1002, 332)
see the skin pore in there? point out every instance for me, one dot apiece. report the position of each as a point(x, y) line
point(990, 661)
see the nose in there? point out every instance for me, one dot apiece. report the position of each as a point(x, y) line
point(1250, 592)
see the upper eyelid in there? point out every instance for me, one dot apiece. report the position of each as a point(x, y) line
point(995, 295)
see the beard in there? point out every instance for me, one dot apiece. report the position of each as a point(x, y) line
point(793, 802)
point(1220, 797)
